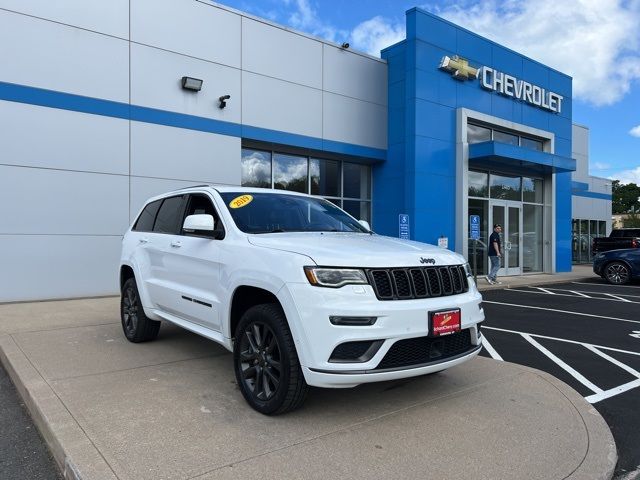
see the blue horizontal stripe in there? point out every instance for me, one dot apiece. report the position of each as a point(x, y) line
point(109, 108)
point(601, 196)
point(579, 186)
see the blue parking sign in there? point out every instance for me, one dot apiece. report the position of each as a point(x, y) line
point(474, 227)
point(403, 226)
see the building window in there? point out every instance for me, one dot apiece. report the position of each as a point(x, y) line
point(478, 184)
point(479, 133)
point(256, 168)
point(504, 187)
point(345, 184)
point(290, 173)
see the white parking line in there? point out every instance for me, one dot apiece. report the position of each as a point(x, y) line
point(626, 368)
point(602, 347)
point(619, 298)
point(571, 371)
point(605, 285)
point(560, 311)
point(545, 290)
point(594, 293)
point(492, 351)
point(566, 295)
point(580, 294)
point(597, 397)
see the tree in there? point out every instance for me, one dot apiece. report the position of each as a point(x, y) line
point(625, 197)
point(632, 221)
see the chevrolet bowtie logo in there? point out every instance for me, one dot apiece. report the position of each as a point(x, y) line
point(459, 67)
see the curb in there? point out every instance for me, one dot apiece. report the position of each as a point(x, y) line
point(68, 443)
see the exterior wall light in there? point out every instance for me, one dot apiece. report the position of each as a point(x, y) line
point(223, 100)
point(190, 83)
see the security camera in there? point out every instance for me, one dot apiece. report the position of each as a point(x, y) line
point(345, 45)
point(223, 99)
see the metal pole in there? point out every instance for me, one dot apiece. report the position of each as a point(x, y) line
point(475, 264)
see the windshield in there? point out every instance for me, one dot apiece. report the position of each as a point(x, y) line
point(273, 212)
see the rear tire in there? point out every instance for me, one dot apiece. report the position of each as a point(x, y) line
point(617, 273)
point(265, 361)
point(136, 325)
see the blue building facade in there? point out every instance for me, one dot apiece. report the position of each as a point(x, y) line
point(476, 128)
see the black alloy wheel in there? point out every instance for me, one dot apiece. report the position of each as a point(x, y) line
point(260, 360)
point(266, 363)
point(617, 273)
point(136, 325)
point(130, 310)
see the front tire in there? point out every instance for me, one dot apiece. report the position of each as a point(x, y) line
point(617, 273)
point(266, 364)
point(136, 325)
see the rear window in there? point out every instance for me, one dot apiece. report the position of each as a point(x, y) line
point(169, 218)
point(147, 217)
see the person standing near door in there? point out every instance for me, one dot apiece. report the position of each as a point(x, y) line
point(495, 252)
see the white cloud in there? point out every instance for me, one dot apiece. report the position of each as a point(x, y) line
point(597, 42)
point(628, 176)
point(635, 131)
point(377, 33)
point(601, 166)
point(305, 18)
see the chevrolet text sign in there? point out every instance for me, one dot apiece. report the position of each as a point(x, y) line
point(519, 89)
point(503, 83)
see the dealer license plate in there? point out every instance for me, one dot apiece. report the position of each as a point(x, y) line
point(445, 322)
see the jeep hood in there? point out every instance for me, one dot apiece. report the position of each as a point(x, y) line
point(357, 249)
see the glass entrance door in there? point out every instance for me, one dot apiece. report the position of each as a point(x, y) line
point(509, 215)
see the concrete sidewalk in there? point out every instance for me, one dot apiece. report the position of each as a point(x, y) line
point(170, 409)
point(577, 273)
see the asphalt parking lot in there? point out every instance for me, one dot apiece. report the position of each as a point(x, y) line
point(586, 334)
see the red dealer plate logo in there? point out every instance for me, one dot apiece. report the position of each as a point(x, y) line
point(445, 322)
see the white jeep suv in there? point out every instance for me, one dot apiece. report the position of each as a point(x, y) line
point(300, 292)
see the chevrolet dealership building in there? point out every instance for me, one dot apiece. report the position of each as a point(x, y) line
point(101, 108)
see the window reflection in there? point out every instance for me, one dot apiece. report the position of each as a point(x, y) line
point(505, 188)
point(477, 134)
point(504, 137)
point(290, 173)
point(478, 184)
point(532, 190)
point(256, 168)
point(531, 143)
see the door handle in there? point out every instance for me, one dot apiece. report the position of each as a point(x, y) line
point(176, 244)
point(143, 240)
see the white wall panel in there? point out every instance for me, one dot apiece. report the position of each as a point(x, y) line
point(156, 82)
point(354, 75)
point(110, 17)
point(50, 138)
point(283, 106)
point(57, 57)
point(144, 188)
point(188, 27)
point(354, 121)
point(279, 53)
point(41, 201)
point(38, 267)
point(167, 152)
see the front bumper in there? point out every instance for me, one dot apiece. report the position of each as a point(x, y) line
point(316, 337)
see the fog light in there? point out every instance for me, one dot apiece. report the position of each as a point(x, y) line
point(353, 321)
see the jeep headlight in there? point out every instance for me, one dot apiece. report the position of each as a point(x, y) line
point(467, 269)
point(334, 277)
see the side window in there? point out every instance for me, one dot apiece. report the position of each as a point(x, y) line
point(201, 205)
point(169, 218)
point(146, 218)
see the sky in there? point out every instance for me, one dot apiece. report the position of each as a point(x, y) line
point(597, 42)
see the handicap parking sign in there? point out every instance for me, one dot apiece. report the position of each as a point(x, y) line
point(403, 226)
point(474, 224)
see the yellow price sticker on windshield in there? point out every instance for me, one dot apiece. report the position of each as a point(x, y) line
point(241, 201)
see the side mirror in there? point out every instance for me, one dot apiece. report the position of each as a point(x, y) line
point(203, 225)
point(198, 223)
point(365, 224)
